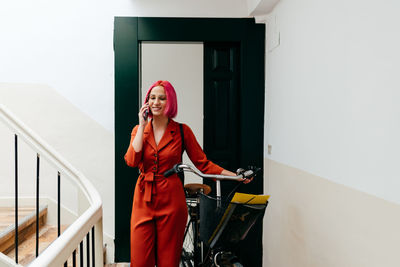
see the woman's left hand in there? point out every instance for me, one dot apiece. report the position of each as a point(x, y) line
point(246, 181)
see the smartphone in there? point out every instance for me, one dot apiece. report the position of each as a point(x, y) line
point(147, 111)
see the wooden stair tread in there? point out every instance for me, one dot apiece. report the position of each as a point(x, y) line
point(26, 226)
point(7, 215)
point(27, 249)
point(27, 234)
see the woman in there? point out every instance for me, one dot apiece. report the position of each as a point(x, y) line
point(159, 211)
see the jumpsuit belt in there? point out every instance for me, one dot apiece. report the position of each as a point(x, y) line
point(147, 184)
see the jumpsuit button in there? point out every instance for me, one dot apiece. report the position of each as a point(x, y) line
point(155, 155)
point(154, 168)
point(155, 162)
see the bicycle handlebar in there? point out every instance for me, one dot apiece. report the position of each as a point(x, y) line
point(242, 174)
point(172, 171)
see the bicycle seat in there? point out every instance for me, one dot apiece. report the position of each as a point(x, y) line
point(192, 189)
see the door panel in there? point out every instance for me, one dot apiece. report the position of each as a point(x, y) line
point(221, 92)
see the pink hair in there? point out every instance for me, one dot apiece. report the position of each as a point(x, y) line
point(172, 103)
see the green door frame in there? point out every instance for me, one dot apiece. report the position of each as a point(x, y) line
point(129, 32)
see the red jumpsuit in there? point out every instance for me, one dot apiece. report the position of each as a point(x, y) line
point(159, 211)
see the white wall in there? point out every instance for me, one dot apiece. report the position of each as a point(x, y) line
point(190, 8)
point(331, 91)
point(260, 7)
point(68, 45)
point(27, 161)
point(332, 122)
point(182, 65)
point(83, 142)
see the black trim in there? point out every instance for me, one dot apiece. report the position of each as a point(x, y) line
point(126, 103)
point(181, 175)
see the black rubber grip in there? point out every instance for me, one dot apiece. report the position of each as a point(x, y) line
point(173, 170)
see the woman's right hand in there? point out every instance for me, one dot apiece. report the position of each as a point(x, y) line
point(142, 121)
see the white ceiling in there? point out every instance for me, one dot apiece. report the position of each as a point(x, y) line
point(260, 7)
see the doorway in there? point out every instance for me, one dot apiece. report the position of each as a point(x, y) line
point(227, 39)
point(181, 63)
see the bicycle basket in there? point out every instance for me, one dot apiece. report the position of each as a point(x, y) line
point(210, 216)
point(229, 224)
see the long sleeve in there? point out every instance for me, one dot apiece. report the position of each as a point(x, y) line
point(197, 155)
point(132, 158)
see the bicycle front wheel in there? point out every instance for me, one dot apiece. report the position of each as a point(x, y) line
point(191, 251)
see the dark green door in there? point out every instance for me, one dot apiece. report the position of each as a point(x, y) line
point(233, 97)
point(221, 93)
point(222, 123)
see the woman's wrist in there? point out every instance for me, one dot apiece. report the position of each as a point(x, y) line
point(228, 173)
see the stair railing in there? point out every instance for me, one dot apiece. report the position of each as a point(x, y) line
point(87, 226)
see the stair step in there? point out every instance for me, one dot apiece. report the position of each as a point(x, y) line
point(27, 234)
point(27, 249)
point(7, 215)
point(26, 225)
point(119, 264)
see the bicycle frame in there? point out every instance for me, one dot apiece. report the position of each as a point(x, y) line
point(217, 178)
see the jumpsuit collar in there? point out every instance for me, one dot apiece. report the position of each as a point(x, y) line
point(149, 135)
point(165, 139)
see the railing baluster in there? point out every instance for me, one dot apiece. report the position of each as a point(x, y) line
point(59, 208)
point(37, 203)
point(88, 249)
point(74, 258)
point(81, 254)
point(93, 198)
point(93, 253)
point(16, 198)
point(58, 204)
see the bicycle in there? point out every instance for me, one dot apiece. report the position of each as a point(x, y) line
point(212, 235)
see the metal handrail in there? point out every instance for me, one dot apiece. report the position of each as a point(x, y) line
point(61, 249)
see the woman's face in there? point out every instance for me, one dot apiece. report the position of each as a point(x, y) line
point(157, 101)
